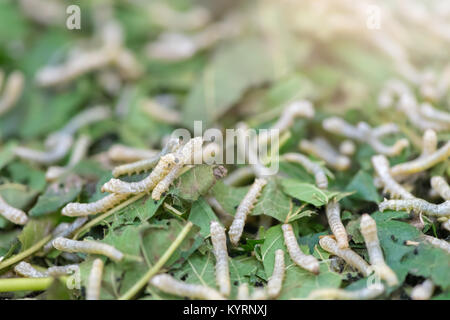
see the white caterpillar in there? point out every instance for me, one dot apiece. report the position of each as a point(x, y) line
point(418, 205)
point(429, 143)
point(95, 280)
point(381, 166)
point(422, 163)
point(350, 256)
point(434, 114)
point(438, 243)
point(122, 153)
point(57, 271)
point(85, 118)
point(347, 148)
point(160, 113)
point(65, 230)
point(333, 212)
point(321, 149)
point(340, 294)
point(441, 186)
point(243, 293)
point(244, 208)
point(423, 291)
point(219, 242)
point(12, 91)
point(310, 166)
point(27, 270)
point(168, 284)
point(75, 209)
point(12, 214)
point(369, 231)
point(276, 280)
point(307, 262)
point(87, 246)
point(168, 18)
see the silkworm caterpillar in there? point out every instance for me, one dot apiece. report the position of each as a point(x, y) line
point(423, 291)
point(369, 231)
point(385, 129)
point(244, 208)
point(438, 243)
point(446, 225)
point(243, 293)
point(429, 143)
point(364, 133)
point(340, 294)
point(421, 163)
point(276, 280)
point(95, 280)
point(310, 166)
point(85, 118)
point(183, 157)
point(160, 113)
point(87, 246)
point(57, 271)
point(75, 209)
point(219, 242)
point(146, 164)
point(12, 91)
point(307, 262)
point(393, 89)
point(122, 153)
point(321, 149)
point(259, 294)
point(27, 270)
point(350, 256)
point(168, 18)
point(65, 231)
point(333, 212)
point(347, 148)
point(381, 166)
point(428, 111)
point(168, 284)
point(12, 214)
point(418, 205)
point(224, 217)
point(57, 147)
point(441, 186)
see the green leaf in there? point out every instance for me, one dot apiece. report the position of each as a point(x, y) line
point(7, 153)
point(305, 192)
point(362, 183)
point(229, 197)
point(35, 230)
point(273, 202)
point(201, 215)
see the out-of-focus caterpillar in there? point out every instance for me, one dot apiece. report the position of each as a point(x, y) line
point(238, 176)
point(320, 148)
point(168, 284)
point(310, 166)
point(244, 208)
point(85, 118)
point(421, 163)
point(65, 230)
point(95, 280)
point(122, 153)
point(347, 148)
point(27, 270)
point(80, 149)
point(428, 111)
point(340, 294)
point(369, 231)
point(333, 212)
point(381, 166)
point(57, 271)
point(219, 242)
point(146, 164)
point(418, 205)
point(168, 18)
point(364, 133)
point(160, 113)
point(87, 246)
point(276, 280)
point(440, 186)
point(307, 262)
point(438, 243)
point(44, 12)
point(75, 209)
point(391, 92)
point(12, 91)
point(350, 256)
point(12, 214)
point(243, 293)
point(423, 291)
point(429, 143)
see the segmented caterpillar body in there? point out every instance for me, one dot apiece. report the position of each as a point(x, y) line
point(92, 247)
point(12, 214)
point(160, 112)
point(12, 91)
point(423, 291)
point(27, 270)
point(434, 114)
point(438, 243)
point(244, 208)
point(57, 271)
point(429, 143)
point(369, 232)
point(441, 186)
point(418, 205)
point(75, 209)
point(321, 149)
point(310, 166)
point(95, 280)
point(333, 212)
point(385, 129)
point(168, 284)
point(219, 242)
point(276, 280)
point(351, 257)
point(422, 163)
point(446, 225)
point(65, 231)
point(307, 262)
point(340, 294)
point(122, 153)
point(381, 166)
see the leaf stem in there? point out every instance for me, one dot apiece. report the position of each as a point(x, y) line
point(27, 284)
point(153, 270)
point(22, 255)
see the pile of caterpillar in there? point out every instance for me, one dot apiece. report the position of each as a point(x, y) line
point(87, 246)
